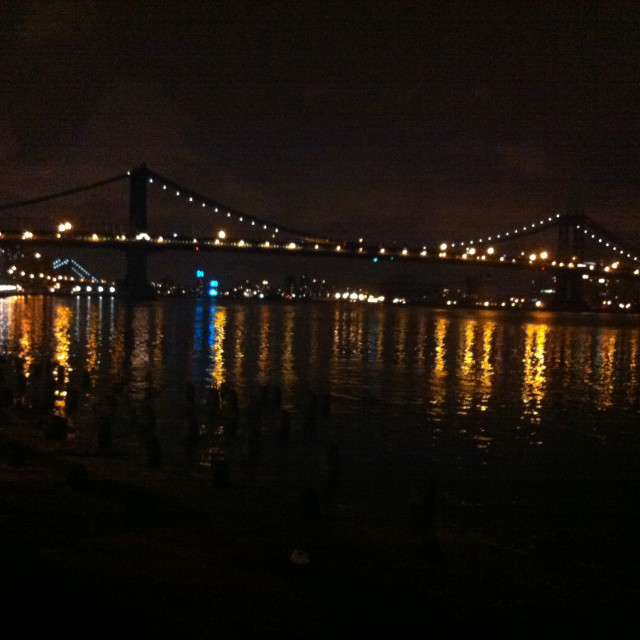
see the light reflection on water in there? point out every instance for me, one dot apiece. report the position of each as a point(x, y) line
point(534, 374)
point(485, 376)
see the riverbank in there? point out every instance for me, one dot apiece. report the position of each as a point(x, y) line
point(274, 549)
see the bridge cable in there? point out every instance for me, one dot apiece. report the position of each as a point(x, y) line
point(608, 235)
point(212, 203)
point(60, 194)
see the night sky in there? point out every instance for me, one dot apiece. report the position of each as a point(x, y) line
point(393, 120)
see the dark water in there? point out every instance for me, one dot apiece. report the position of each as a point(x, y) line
point(490, 377)
point(527, 422)
point(537, 411)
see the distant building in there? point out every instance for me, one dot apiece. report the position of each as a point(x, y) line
point(70, 268)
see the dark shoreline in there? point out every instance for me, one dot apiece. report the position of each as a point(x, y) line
point(166, 552)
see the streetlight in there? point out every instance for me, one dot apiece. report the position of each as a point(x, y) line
point(62, 227)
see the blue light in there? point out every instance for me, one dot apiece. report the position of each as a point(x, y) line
point(375, 259)
point(213, 284)
point(199, 274)
point(213, 293)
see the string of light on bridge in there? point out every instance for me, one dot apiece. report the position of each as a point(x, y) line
point(199, 200)
point(612, 247)
point(273, 228)
point(506, 235)
point(229, 213)
point(467, 246)
point(463, 250)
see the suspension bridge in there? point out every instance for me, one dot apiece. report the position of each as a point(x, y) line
point(583, 249)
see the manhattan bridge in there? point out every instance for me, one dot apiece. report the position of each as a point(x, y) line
point(569, 247)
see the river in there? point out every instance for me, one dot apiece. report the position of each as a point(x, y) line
point(527, 372)
point(528, 419)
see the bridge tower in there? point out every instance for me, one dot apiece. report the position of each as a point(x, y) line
point(571, 248)
point(136, 282)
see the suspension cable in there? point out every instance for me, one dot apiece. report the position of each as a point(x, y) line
point(238, 214)
point(60, 194)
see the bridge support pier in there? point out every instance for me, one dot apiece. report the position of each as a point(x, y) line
point(136, 283)
point(569, 294)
